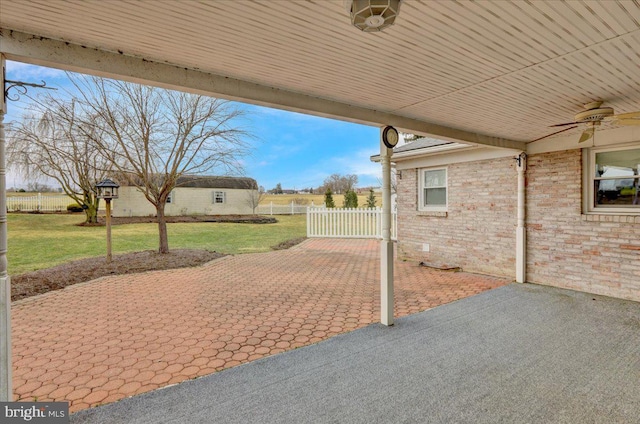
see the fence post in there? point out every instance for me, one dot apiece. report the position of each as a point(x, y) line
point(292, 207)
point(39, 202)
point(271, 213)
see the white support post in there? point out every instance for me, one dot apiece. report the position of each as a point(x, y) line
point(521, 230)
point(386, 245)
point(6, 390)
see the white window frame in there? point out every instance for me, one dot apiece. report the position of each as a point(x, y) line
point(421, 187)
point(215, 197)
point(588, 179)
point(170, 198)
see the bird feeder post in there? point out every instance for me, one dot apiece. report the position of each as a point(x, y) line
point(107, 190)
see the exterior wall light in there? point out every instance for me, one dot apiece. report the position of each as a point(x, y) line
point(373, 15)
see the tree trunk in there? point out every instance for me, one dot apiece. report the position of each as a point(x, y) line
point(91, 214)
point(162, 229)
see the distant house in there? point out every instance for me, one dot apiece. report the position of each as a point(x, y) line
point(194, 195)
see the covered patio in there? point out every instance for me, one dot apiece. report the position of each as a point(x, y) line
point(515, 354)
point(494, 76)
point(100, 342)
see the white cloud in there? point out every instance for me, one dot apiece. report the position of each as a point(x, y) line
point(32, 73)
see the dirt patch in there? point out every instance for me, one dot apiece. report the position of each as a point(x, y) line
point(288, 243)
point(61, 276)
point(237, 219)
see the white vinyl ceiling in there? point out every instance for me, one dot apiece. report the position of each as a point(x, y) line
point(506, 69)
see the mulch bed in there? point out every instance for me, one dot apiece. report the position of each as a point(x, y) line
point(236, 219)
point(61, 276)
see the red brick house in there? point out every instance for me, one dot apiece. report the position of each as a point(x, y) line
point(457, 206)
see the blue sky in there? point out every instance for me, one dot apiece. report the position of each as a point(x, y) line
point(296, 150)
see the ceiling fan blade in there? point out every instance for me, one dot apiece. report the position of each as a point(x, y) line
point(557, 132)
point(586, 135)
point(629, 115)
point(563, 125)
point(628, 121)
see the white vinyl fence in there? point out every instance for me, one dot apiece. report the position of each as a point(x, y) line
point(55, 203)
point(348, 223)
point(291, 209)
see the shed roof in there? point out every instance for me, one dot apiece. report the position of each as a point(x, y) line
point(199, 181)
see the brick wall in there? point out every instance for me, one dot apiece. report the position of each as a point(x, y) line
point(478, 231)
point(593, 253)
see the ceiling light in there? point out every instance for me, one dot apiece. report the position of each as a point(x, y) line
point(373, 15)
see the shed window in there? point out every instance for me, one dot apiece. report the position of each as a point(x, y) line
point(433, 189)
point(219, 197)
point(170, 197)
point(614, 180)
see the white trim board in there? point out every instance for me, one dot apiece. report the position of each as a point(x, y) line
point(47, 52)
point(603, 138)
point(446, 158)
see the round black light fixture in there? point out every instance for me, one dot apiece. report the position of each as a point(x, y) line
point(390, 137)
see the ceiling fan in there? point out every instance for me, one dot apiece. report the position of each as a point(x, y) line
point(593, 115)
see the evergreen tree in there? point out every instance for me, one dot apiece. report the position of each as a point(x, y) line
point(371, 200)
point(328, 199)
point(350, 199)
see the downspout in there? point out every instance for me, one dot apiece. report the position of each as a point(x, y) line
point(521, 234)
point(386, 245)
point(6, 392)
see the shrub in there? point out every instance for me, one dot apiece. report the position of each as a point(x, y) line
point(371, 200)
point(350, 199)
point(328, 199)
point(74, 207)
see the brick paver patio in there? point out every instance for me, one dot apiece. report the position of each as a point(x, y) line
point(99, 342)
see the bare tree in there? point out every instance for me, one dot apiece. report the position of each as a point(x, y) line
point(254, 197)
point(38, 187)
point(153, 136)
point(408, 137)
point(394, 181)
point(339, 183)
point(49, 142)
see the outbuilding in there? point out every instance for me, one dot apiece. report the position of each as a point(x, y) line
point(194, 195)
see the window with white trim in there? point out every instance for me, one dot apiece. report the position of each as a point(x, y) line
point(219, 197)
point(433, 190)
point(170, 197)
point(614, 180)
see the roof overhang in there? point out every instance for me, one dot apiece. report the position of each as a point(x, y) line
point(486, 73)
point(47, 52)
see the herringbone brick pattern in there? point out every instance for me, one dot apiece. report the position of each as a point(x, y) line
point(101, 341)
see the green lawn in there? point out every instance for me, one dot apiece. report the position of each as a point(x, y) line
point(42, 241)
